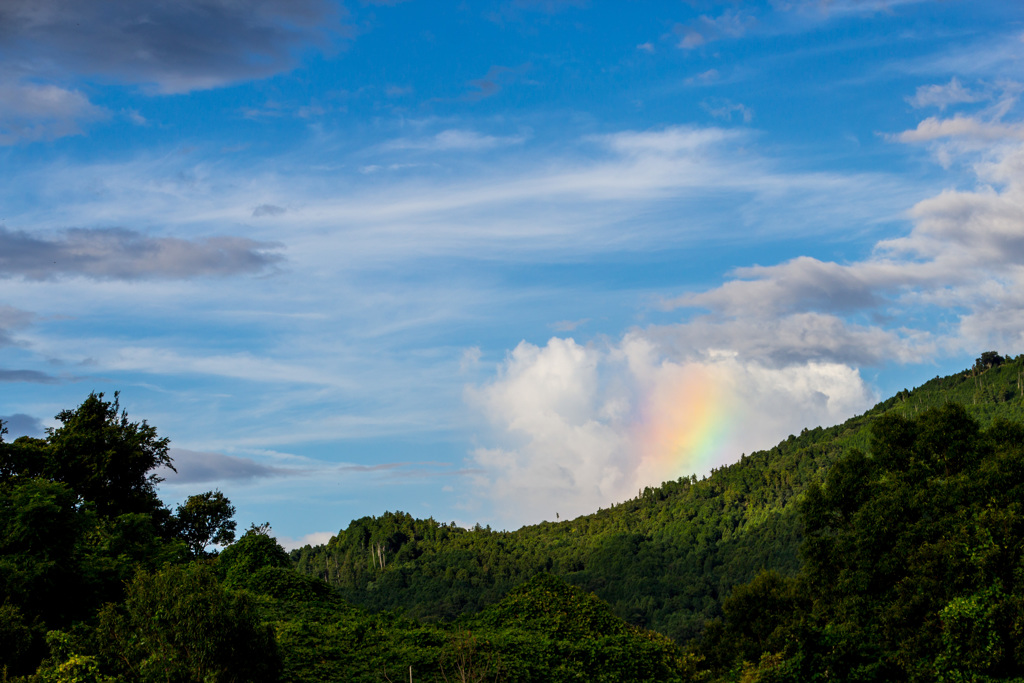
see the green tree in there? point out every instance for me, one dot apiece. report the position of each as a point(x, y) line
point(41, 532)
point(180, 625)
point(989, 359)
point(19, 642)
point(240, 561)
point(204, 519)
point(107, 459)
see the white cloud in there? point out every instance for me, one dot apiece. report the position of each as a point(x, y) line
point(245, 366)
point(455, 140)
point(579, 427)
point(724, 109)
point(705, 29)
point(316, 538)
point(705, 77)
point(964, 127)
point(942, 96)
point(470, 358)
point(691, 39)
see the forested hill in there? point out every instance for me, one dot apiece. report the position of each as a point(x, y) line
point(664, 560)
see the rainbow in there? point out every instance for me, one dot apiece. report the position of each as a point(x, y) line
point(684, 423)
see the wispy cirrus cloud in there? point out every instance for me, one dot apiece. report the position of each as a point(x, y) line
point(576, 201)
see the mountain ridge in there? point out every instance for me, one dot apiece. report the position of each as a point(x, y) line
point(664, 560)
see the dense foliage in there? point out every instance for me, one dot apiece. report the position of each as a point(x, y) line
point(82, 531)
point(913, 565)
point(544, 631)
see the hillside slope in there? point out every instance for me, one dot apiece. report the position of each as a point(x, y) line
point(664, 560)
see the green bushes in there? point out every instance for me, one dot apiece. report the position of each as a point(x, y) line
point(180, 625)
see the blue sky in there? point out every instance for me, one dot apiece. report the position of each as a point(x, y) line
point(490, 261)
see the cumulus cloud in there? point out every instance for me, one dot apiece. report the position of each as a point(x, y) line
point(120, 253)
point(195, 467)
point(172, 47)
point(578, 427)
